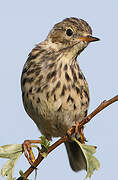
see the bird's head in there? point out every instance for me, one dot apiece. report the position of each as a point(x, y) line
point(71, 33)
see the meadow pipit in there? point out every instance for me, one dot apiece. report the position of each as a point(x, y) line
point(54, 90)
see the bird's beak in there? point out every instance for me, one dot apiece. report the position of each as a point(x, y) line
point(89, 39)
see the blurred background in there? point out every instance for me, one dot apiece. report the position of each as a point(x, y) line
point(26, 23)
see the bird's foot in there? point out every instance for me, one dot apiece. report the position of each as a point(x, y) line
point(79, 131)
point(82, 138)
point(27, 149)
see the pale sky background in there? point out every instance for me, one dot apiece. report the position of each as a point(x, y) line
point(25, 23)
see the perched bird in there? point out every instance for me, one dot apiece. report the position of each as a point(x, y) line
point(54, 90)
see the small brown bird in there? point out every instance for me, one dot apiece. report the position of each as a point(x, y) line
point(54, 90)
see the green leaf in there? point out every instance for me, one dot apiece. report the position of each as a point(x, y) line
point(91, 161)
point(45, 144)
point(22, 175)
point(13, 153)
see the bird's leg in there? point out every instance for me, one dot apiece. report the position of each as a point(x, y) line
point(80, 131)
point(69, 132)
point(27, 149)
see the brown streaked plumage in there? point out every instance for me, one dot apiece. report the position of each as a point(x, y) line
point(54, 90)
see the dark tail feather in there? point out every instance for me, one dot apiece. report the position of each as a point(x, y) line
point(76, 157)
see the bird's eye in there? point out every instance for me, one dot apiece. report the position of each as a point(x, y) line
point(69, 32)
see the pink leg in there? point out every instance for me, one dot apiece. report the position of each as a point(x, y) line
point(28, 150)
point(80, 131)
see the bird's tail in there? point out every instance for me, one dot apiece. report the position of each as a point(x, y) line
point(76, 157)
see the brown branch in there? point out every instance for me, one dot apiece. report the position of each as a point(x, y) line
point(103, 105)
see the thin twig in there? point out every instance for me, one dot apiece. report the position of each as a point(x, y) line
point(103, 105)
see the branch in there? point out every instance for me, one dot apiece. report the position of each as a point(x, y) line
point(102, 106)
